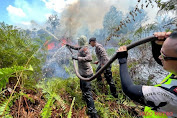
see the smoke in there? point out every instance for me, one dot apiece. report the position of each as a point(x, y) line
point(88, 13)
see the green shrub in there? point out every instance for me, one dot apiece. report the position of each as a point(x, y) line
point(17, 48)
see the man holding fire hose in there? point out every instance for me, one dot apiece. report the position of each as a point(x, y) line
point(103, 59)
point(85, 70)
point(161, 98)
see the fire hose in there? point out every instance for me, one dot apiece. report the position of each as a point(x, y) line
point(130, 46)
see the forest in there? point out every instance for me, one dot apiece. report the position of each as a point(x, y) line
point(37, 78)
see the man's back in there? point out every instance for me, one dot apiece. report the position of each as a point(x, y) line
point(103, 59)
point(101, 54)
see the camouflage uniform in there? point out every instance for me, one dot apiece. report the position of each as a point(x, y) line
point(103, 59)
point(84, 59)
point(85, 70)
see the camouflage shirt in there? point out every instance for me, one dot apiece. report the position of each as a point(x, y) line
point(84, 59)
point(101, 54)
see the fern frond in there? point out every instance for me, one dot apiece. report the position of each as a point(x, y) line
point(26, 96)
point(61, 102)
point(5, 73)
point(7, 110)
point(70, 110)
point(47, 110)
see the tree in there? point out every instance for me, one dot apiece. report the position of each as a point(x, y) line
point(170, 5)
point(53, 22)
point(137, 22)
point(112, 19)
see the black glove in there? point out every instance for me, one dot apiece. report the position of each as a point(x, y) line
point(74, 57)
point(123, 54)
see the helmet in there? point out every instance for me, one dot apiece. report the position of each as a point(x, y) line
point(82, 40)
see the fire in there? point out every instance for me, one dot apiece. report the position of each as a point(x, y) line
point(53, 44)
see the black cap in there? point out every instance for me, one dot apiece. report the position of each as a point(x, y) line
point(92, 39)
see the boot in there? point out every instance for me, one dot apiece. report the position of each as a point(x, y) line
point(93, 115)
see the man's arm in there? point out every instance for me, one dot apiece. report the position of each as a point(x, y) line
point(134, 92)
point(87, 58)
point(73, 47)
point(145, 95)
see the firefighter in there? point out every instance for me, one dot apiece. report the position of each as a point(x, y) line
point(103, 59)
point(85, 70)
point(161, 99)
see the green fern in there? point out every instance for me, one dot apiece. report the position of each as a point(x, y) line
point(7, 110)
point(60, 100)
point(5, 73)
point(53, 88)
point(26, 96)
point(70, 110)
point(47, 110)
point(102, 109)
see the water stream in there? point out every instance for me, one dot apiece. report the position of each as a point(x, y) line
point(56, 62)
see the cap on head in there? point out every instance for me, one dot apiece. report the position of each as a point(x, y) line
point(82, 40)
point(92, 39)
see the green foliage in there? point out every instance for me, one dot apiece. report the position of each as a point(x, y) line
point(51, 90)
point(112, 19)
point(60, 101)
point(6, 109)
point(111, 51)
point(20, 58)
point(2, 107)
point(145, 29)
point(5, 73)
point(17, 47)
point(26, 96)
point(59, 87)
point(169, 5)
point(29, 83)
point(70, 110)
point(124, 41)
point(102, 109)
point(69, 69)
point(47, 110)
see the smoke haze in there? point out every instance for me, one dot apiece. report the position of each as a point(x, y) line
point(90, 13)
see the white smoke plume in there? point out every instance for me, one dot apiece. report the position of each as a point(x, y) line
point(88, 13)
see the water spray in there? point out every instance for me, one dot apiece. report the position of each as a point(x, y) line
point(130, 46)
point(48, 32)
point(52, 62)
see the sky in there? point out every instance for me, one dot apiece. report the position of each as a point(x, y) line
point(22, 12)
